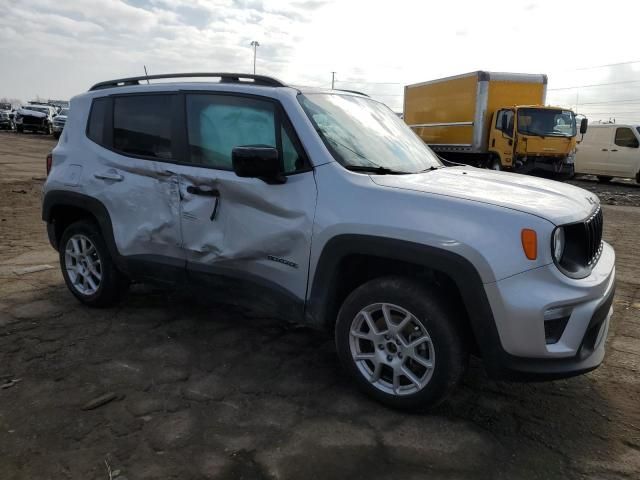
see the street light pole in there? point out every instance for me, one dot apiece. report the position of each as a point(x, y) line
point(255, 46)
point(333, 78)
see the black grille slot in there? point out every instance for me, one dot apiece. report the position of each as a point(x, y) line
point(593, 231)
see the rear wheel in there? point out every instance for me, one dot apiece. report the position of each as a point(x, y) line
point(87, 267)
point(400, 343)
point(604, 179)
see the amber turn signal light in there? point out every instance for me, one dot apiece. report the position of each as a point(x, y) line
point(530, 243)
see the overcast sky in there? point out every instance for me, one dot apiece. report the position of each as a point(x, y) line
point(58, 48)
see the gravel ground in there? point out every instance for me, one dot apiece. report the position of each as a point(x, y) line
point(166, 386)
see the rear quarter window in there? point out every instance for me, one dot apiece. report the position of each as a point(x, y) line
point(97, 119)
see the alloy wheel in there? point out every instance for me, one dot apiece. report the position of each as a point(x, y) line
point(83, 265)
point(392, 349)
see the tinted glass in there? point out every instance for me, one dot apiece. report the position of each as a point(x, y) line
point(626, 138)
point(142, 125)
point(95, 130)
point(216, 124)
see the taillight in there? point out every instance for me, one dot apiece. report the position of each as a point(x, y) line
point(49, 162)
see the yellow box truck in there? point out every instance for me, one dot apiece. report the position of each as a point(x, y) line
point(494, 120)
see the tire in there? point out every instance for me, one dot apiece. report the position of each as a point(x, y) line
point(437, 360)
point(19, 128)
point(56, 135)
point(90, 273)
point(494, 164)
point(604, 179)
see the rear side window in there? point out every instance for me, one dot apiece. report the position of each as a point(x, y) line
point(626, 138)
point(142, 125)
point(97, 117)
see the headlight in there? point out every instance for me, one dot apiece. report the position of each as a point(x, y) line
point(558, 244)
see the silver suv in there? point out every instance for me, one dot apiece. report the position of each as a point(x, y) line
point(324, 206)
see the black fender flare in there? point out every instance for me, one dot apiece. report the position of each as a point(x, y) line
point(322, 290)
point(61, 198)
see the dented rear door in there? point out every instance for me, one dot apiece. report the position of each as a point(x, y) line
point(242, 233)
point(131, 138)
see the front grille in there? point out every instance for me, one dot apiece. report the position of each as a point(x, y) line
point(593, 234)
point(29, 120)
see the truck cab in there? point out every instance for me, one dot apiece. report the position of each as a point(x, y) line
point(532, 137)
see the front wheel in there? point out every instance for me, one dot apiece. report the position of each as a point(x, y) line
point(401, 343)
point(87, 266)
point(604, 179)
point(19, 128)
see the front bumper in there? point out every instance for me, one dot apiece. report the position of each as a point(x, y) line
point(519, 304)
point(57, 128)
point(556, 167)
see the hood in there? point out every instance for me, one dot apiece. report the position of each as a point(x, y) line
point(554, 201)
point(32, 113)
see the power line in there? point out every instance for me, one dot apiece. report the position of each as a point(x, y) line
point(369, 83)
point(609, 65)
point(594, 85)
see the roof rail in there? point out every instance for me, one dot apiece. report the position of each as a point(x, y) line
point(351, 91)
point(261, 80)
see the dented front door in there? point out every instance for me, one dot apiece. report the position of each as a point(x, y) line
point(244, 232)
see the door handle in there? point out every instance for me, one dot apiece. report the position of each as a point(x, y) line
point(614, 150)
point(605, 150)
point(207, 192)
point(109, 175)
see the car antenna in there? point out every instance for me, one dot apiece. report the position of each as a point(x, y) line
point(146, 74)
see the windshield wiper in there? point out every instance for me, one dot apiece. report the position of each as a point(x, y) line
point(374, 169)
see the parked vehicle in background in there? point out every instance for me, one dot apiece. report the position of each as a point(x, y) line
point(36, 118)
point(610, 150)
point(494, 120)
point(6, 116)
point(326, 207)
point(59, 122)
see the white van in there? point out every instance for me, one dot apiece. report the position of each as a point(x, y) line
point(610, 150)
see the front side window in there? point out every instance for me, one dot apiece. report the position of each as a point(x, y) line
point(509, 115)
point(546, 122)
point(142, 125)
point(362, 133)
point(216, 124)
point(626, 138)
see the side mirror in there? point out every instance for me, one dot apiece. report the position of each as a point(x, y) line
point(583, 126)
point(258, 162)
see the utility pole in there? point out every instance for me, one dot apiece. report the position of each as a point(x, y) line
point(255, 46)
point(333, 80)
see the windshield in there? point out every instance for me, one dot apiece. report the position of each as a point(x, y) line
point(5, 106)
point(64, 111)
point(36, 109)
point(360, 132)
point(546, 122)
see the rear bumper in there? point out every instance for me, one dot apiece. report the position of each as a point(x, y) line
point(519, 304)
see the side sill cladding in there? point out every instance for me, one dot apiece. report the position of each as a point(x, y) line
point(321, 307)
point(59, 199)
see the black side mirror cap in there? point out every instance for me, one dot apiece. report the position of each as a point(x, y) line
point(584, 123)
point(258, 161)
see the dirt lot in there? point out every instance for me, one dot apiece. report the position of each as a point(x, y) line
point(206, 391)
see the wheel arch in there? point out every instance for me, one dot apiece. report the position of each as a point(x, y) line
point(61, 208)
point(348, 261)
